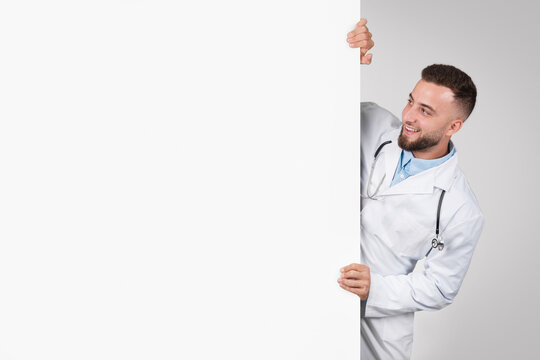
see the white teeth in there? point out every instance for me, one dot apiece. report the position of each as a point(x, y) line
point(411, 129)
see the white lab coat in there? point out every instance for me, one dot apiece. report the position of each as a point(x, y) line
point(397, 230)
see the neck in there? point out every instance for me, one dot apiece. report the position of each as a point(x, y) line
point(434, 152)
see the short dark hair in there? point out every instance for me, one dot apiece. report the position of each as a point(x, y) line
point(456, 80)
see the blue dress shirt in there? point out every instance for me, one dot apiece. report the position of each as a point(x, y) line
point(408, 165)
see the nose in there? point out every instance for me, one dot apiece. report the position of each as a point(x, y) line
point(407, 114)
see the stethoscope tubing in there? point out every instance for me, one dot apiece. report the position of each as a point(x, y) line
point(436, 242)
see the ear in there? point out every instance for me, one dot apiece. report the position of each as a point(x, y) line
point(454, 127)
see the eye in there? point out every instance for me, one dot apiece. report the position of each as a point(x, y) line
point(425, 112)
point(409, 102)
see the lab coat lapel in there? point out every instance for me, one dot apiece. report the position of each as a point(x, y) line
point(421, 183)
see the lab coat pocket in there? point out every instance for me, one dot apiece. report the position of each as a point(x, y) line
point(406, 236)
point(398, 335)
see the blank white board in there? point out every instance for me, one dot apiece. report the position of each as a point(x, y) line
point(178, 180)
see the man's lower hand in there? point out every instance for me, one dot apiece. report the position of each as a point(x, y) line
point(356, 279)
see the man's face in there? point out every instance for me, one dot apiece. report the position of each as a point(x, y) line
point(427, 116)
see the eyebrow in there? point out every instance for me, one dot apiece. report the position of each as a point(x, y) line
point(425, 105)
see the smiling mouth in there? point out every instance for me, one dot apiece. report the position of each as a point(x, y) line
point(410, 129)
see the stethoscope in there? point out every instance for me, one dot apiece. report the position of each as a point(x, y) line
point(437, 242)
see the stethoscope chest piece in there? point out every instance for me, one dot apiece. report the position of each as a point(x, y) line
point(435, 243)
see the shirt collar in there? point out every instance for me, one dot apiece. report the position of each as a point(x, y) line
point(414, 165)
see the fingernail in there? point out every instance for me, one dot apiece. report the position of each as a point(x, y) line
point(341, 269)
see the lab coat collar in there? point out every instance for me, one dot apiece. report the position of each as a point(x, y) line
point(441, 176)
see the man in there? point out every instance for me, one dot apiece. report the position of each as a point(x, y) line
point(416, 203)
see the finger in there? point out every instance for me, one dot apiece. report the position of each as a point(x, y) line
point(348, 267)
point(364, 45)
point(358, 284)
point(358, 37)
point(355, 282)
point(353, 290)
point(366, 59)
point(363, 294)
point(357, 30)
point(353, 266)
point(355, 274)
point(363, 21)
point(369, 45)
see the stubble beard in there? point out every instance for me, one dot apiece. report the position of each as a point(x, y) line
point(423, 142)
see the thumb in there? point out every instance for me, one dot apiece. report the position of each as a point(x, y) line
point(366, 59)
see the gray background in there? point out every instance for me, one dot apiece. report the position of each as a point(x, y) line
point(495, 315)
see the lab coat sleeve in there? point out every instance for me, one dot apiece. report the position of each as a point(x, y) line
point(436, 286)
point(375, 122)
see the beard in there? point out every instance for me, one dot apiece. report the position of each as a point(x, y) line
point(423, 142)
